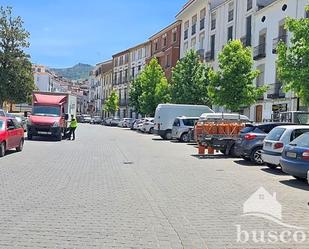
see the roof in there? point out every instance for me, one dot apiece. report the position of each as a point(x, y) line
point(165, 29)
point(49, 99)
point(185, 7)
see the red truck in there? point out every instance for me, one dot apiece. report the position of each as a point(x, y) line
point(51, 113)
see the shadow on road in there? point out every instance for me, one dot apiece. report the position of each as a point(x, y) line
point(218, 156)
point(245, 163)
point(299, 184)
point(42, 139)
point(277, 172)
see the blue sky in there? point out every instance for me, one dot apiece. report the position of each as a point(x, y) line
point(65, 32)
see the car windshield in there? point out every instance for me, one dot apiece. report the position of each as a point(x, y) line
point(302, 141)
point(275, 134)
point(51, 111)
point(248, 129)
point(189, 121)
point(1, 125)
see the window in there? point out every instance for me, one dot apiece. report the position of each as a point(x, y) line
point(115, 78)
point(126, 58)
point(189, 122)
point(175, 36)
point(249, 5)
point(39, 70)
point(139, 68)
point(202, 18)
point(213, 20)
point(306, 14)
point(212, 46)
point(121, 61)
point(185, 47)
point(295, 134)
point(302, 141)
point(133, 72)
point(140, 53)
point(193, 42)
point(260, 78)
point(186, 30)
point(10, 124)
point(230, 33)
point(194, 20)
point(120, 77)
point(156, 45)
point(275, 134)
point(201, 41)
point(51, 111)
point(248, 30)
point(164, 40)
point(133, 56)
point(231, 12)
point(176, 122)
point(167, 61)
point(126, 75)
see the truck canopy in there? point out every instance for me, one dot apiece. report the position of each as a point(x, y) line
point(44, 99)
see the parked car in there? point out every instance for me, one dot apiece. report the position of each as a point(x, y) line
point(115, 122)
point(276, 140)
point(127, 122)
point(135, 124)
point(166, 113)
point(120, 124)
point(140, 125)
point(249, 146)
point(295, 157)
point(2, 113)
point(148, 125)
point(96, 120)
point(86, 119)
point(80, 118)
point(11, 135)
point(181, 128)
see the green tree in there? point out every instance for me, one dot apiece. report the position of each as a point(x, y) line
point(154, 88)
point(16, 79)
point(232, 85)
point(134, 94)
point(190, 81)
point(112, 103)
point(293, 61)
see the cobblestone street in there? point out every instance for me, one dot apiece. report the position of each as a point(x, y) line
point(114, 188)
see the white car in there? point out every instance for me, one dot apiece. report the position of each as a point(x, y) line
point(276, 140)
point(148, 125)
point(181, 128)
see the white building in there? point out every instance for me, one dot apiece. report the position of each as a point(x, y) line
point(257, 23)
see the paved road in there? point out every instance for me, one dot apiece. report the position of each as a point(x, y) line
point(114, 188)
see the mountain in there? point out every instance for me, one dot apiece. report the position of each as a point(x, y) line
point(77, 72)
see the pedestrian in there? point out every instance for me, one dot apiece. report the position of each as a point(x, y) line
point(73, 126)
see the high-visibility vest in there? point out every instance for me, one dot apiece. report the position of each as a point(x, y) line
point(73, 123)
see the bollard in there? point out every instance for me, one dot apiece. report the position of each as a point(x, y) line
point(201, 149)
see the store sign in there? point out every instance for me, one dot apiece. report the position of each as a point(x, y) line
point(280, 108)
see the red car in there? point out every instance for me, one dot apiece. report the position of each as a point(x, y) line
point(11, 135)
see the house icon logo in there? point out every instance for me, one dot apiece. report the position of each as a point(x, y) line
point(262, 204)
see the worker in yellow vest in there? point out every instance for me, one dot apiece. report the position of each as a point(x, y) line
point(73, 126)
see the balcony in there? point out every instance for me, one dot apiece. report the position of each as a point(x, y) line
point(202, 23)
point(186, 33)
point(209, 56)
point(275, 91)
point(276, 41)
point(259, 51)
point(193, 29)
point(246, 41)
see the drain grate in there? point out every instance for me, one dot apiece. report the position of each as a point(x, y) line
point(127, 162)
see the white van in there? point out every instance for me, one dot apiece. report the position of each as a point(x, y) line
point(211, 117)
point(166, 113)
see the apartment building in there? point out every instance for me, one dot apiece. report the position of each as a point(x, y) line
point(258, 24)
point(165, 46)
point(106, 82)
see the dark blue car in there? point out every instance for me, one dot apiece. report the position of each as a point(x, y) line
point(295, 157)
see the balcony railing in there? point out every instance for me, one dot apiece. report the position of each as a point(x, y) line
point(202, 23)
point(276, 41)
point(186, 34)
point(209, 56)
point(275, 91)
point(259, 51)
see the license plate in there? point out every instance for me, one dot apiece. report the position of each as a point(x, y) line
point(44, 132)
point(291, 154)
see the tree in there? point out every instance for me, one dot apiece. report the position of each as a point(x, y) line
point(134, 94)
point(112, 103)
point(190, 81)
point(150, 89)
point(293, 61)
point(232, 85)
point(16, 79)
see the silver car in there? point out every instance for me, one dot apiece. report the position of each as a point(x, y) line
point(181, 127)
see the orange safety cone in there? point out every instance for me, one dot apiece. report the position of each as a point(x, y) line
point(201, 149)
point(211, 151)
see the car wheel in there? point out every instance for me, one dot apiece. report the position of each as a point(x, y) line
point(168, 135)
point(256, 156)
point(59, 137)
point(151, 130)
point(2, 149)
point(271, 166)
point(20, 146)
point(185, 138)
point(233, 152)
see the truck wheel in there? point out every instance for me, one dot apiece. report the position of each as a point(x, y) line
point(185, 138)
point(256, 156)
point(29, 136)
point(2, 149)
point(59, 137)
point(20, 146)
point(168, 135)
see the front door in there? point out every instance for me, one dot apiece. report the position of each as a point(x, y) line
point(259, 113)
point(11, 134)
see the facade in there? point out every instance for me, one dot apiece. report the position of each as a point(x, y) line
point(165, 46)
point(258, 24)
point(106, 83)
